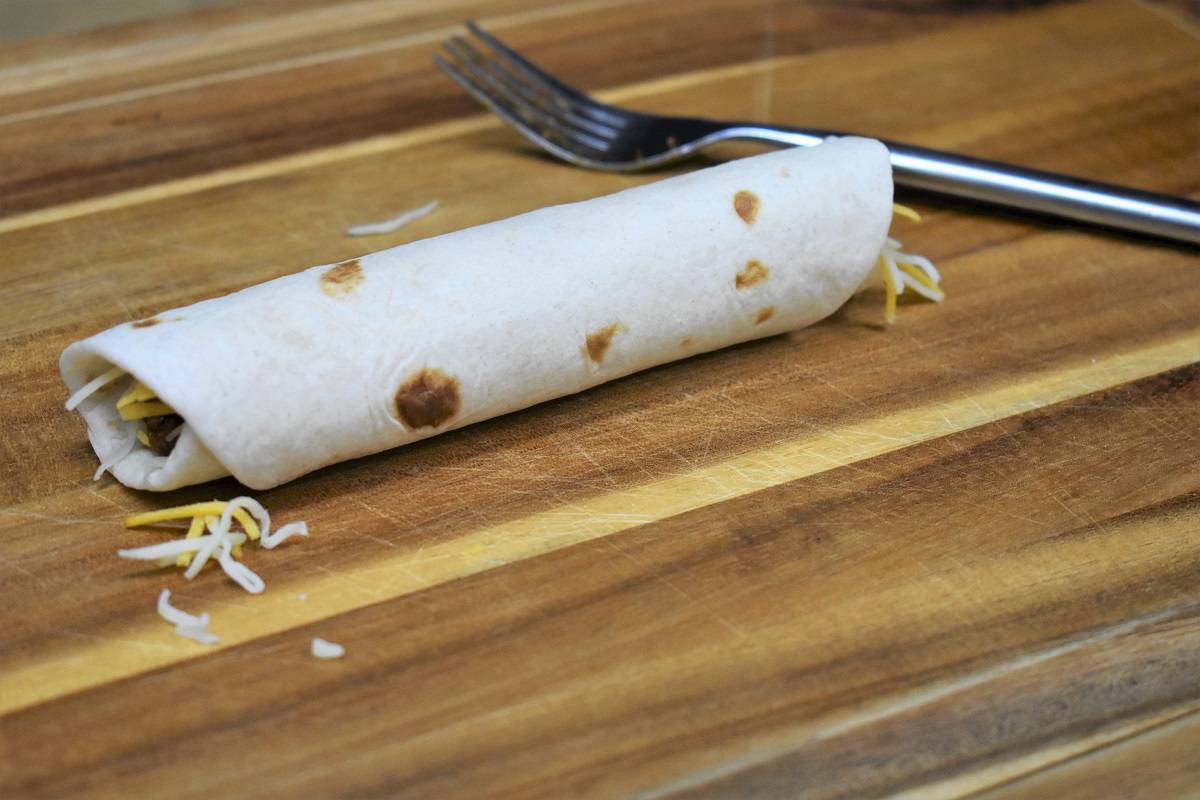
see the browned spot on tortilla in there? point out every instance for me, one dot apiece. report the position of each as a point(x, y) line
point(754, 272)
point(686, 342)
point(427, 399)
point(764, 314)
point(785, 172)
point(746, 204)
point(599, 342)
point(341, 279)
point(146, 323)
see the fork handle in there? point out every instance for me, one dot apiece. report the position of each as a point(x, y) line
point(1013, 187)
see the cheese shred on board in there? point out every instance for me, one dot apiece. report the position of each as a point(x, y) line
point(900, 270)
point(210, 535)
point(324, 649)
point(186, 625)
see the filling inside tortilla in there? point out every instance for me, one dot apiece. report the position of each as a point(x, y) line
point(160, 425)
point(149, 421)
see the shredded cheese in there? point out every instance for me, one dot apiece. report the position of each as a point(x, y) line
point(889, 288)
point(212, 508)
point(93, 386)
point(195, 530)
point(285, 532)
point(220, 542)
point(150, 408)
point(326, 650)
point(186, 625)
point(138, 393)
point(901, 270)
point(395, 223)
point(171, 549)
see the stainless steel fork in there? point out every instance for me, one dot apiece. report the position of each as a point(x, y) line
point(584, 131)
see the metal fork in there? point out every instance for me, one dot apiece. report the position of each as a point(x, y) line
point(584, 131)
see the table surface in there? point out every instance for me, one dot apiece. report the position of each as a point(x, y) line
point(959, 556)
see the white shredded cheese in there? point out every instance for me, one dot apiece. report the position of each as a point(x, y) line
point(220, 531)
point(186, 625)
point(174, 547)
point(272, 540)
point(92, 386)
point(177, 616)
point(240, 574)
point(324, 649)
point(894, 259)
point(395, 223)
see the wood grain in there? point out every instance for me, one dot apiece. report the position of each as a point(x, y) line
point(955, 556)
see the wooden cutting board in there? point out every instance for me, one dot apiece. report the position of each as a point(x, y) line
point(957, 556)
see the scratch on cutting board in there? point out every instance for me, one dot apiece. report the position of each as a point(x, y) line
point(603, 470)
point(92, 490)
point(377, 512)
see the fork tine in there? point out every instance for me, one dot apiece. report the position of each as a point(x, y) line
point(513, 118)
point(533, 115)
point(535, 96)
point(595, 109)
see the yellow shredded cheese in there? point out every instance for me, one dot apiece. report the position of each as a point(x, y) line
point(889, 287)
point(138, 393)
point(212, 508)
point(194, 530)
point(150, 408)
point(142, 437)
point(904, 270)
point(923, 279)
point(176, 512)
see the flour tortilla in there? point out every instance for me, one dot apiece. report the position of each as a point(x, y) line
point(341, 361)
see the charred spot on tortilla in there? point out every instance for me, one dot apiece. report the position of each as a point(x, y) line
point(764, 314)
point(342, 278)
point(427, 399)
point(746, 204)
point(599, 342)
point(753, 273)
point(146, 323)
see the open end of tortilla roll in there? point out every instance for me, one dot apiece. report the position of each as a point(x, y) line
point(137, 435)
